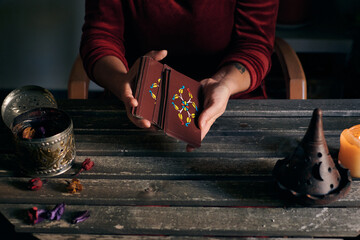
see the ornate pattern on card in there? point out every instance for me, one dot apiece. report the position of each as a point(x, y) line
point(186, 109)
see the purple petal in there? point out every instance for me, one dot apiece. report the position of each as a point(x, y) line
point(82, 217)
point(57, 212)
point(42, 215)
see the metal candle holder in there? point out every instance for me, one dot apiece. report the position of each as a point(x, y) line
point(310, 175)
point(42, 156)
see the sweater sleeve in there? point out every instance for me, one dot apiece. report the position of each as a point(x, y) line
point(253, 38)
point(102, 33)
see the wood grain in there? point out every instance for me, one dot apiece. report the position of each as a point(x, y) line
point(196, 221)
point(144, 185)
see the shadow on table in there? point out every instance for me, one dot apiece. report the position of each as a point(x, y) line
point(7, 231)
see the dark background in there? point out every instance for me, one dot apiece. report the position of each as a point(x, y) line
point(39, 40)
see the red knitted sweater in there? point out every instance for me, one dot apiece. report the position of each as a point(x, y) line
point(200, 35)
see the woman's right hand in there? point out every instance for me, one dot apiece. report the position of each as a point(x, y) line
point(111, 74)
point(126, 94)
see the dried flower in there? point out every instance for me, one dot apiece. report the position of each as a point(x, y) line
point(37, 215)
point(86, 166)
point(81, 217)
point(33, 215)
point(28, 133)
point(35, 183)
point(56, 212)
point(74, 186)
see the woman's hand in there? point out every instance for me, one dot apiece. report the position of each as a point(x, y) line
point(111, 73)
point(126, 94)
point(216, 97)
point(217, 90)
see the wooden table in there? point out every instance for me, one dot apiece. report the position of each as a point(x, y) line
point(144, 185)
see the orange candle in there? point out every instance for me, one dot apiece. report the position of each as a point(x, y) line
point(349, 154)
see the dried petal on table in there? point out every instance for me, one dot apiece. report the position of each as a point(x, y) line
point(81, 217)
point(35, 184)
point(56, 212)
point(74, 186)
point(36, 215)
point(86, 165)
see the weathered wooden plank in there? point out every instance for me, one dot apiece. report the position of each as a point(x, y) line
point(292, 108)
point(114, 122)
point(43, 236)
point(332, 125)
point(249, 192)
point(247, 119)
point(212, 147)
point(160, 167)
point(246, 133)
point(173, 166)
point(120, 144)
point(145, 192)
point(158, 142)
point(258, 144)
point(251, 145)
point(269, 107)
point(333, 107)
point(157, 167)
point(196, 221)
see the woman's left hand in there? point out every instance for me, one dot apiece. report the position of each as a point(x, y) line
point(216, 97)
point(217, 91)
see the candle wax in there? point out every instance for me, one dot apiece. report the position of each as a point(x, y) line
point(349, 154)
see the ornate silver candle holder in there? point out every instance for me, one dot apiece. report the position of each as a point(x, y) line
point(51, 149)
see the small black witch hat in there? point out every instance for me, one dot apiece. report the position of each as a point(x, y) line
point(309, 174)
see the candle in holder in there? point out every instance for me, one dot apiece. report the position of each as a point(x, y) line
point(349, 154)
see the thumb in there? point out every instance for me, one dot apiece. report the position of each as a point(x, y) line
point(205, 123)
point(128, 98)
point(209, 116)
point(157, 55)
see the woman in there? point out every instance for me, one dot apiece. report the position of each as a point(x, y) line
point(225, 44)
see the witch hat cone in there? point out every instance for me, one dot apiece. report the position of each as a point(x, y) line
point(310, 172)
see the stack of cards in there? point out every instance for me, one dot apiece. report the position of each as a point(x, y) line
point(169, 99)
